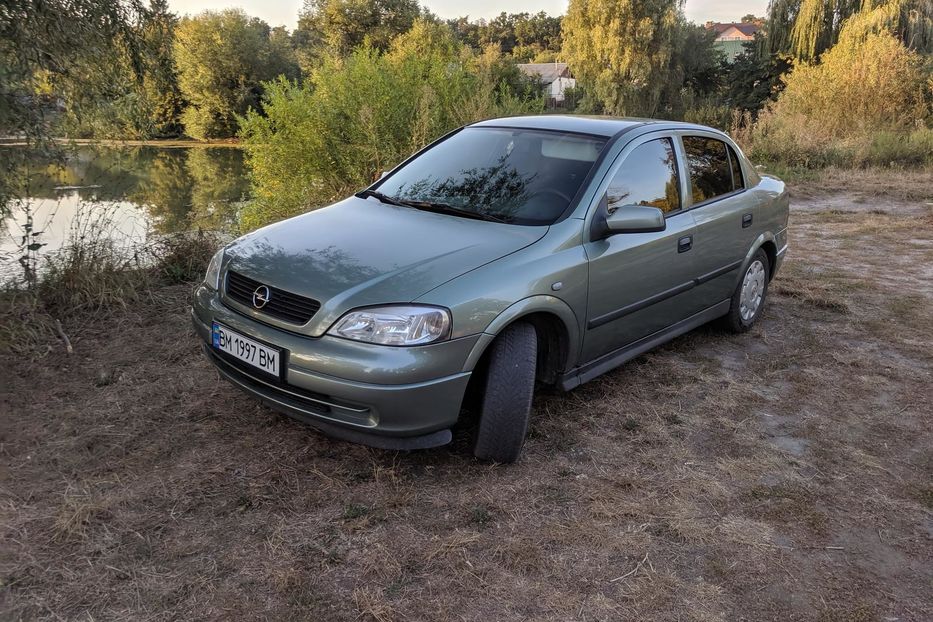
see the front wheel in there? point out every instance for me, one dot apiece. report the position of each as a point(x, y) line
point(510, 383)
point(748, 300)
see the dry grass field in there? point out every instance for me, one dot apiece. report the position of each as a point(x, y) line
point(784, 474)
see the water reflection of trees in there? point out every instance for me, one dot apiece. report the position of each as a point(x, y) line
point(180, 188)
point(219, 184)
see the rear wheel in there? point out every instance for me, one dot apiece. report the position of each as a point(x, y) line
point(506, 402)
point(748, 300)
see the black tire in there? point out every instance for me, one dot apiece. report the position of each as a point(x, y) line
point(506, 402)
point(734, 320)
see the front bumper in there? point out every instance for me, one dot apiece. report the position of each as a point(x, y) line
point(389, 397)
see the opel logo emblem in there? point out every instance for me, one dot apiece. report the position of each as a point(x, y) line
point(261, 296)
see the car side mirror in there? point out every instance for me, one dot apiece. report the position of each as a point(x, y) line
point(635, 219)
point(383, 174)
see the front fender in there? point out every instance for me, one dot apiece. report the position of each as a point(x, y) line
point(525, 307)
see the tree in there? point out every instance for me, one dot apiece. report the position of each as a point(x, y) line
point(133, 93)
point(697, 61)
point(621, 51)
point(522, 35)
point(694, 77)
point(753, 79)
point(539, 30)
point(162, 96)
point(222, 59)
point(55, 46)
point(339, 26)
point(807, 28)
point(467, 32)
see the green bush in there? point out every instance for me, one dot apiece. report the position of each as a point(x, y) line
point(883, 148)
point(711, 114)
point(867, 103)
point(859, 86)
point(354, 117)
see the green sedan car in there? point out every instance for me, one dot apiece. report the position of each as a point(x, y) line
point(510, 252)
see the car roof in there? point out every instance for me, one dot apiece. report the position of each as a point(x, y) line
point(594, 125)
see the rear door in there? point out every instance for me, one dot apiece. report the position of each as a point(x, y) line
point(638, 281)
point(724, 212)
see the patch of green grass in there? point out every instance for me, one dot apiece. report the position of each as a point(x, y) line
point(923, 494)
point(857, 613)
point(480, 516)
point(907, 306)
point(352, 511)
point(785, 504)
point(789, 173)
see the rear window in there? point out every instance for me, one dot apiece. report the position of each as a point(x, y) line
point(520, 176)
point(713, 172)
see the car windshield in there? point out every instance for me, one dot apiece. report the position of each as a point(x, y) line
point(518, 176)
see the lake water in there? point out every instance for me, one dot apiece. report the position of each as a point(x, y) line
point(138, 191)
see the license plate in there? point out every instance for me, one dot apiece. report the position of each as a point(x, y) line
point(245, 349)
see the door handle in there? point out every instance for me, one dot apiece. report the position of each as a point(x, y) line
point(684, 244)
point(746, 221)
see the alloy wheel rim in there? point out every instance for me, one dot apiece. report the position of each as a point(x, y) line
point(753, 288)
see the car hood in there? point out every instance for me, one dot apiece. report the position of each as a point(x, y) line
point(361, 252)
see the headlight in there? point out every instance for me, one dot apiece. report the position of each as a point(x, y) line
point(402, 325)
point(212, 276)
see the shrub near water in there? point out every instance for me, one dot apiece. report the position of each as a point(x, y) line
point(867, 102)
point(91, 274)
point(357, 116)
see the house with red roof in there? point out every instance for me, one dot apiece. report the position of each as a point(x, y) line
point(731, 37)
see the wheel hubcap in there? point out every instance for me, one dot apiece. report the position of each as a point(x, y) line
point(753, 288)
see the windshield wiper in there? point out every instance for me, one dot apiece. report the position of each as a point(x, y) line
point(430, 206)
point(382, 197)
point(443, 208)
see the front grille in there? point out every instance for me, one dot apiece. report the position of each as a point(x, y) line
point(282, 305)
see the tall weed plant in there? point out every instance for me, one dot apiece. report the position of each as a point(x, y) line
point(868, 102)
point(93, 274)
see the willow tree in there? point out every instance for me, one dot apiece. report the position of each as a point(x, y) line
point(807, 28)
point(57, 48)
point(621, 50)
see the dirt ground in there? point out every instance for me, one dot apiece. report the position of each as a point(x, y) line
point(784, 474)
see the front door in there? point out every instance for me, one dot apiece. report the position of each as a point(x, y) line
point(639, 283)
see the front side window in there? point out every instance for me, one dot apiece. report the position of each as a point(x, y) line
point(648, 176)
point(711, 169)
point(513, 175)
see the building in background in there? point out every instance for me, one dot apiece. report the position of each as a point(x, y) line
point(732, 37)
point(555, 78)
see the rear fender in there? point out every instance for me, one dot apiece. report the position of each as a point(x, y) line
point(767, 236)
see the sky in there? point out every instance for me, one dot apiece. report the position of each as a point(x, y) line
point(285, 12)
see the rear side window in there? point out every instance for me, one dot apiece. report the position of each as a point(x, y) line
point(647, 177)
point(738, 182)
point(712, 168)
